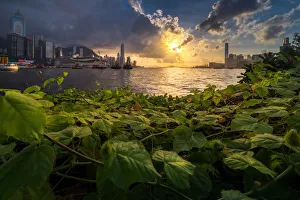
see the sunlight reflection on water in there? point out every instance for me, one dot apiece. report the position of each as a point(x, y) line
point(174, 81)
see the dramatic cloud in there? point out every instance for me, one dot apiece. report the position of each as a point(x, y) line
point(226, 10)
point(158, 46)
point(205, 45)
point(273, 28)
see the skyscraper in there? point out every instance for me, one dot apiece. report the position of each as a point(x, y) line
point(122, 57)
point(36, 46)
point(74, 50)
point(118, 59)
point(226, 53)
point(18, 24)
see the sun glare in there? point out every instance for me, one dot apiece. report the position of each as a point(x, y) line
point(174, 48)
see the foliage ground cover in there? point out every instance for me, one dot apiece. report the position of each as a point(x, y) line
point(241, 142)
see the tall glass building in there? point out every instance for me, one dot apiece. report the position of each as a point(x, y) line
point(18, 24)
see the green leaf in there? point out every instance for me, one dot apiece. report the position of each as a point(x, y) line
point(67, 135)
point(104, 126)
point(32, 89)
point(293, 121)
point(59, 122)
point(243, 122)
point(251, 102)
point(177, 169)
point(47, 82)
point(46, 103)
point(242, 162)
point(39, 193)
point(241, 145)
point(234, 195)
point(268, 141)
point(60, 80)
point(21, 117)
point(261, 91)
point(272, 111)
point(6, 149)
point(201, 184)
point(186, 139)
point(127, 162)
point(295, 159)
point(292, 140)
point(65, 74)
point(31, 167)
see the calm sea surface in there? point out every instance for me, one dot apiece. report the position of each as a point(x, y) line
point(173, 81)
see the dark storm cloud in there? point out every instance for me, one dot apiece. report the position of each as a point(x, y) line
point(93, 23)
point(226, 10)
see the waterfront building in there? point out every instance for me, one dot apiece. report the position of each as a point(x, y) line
point(285, 45)
point(256, 57)
point(81, 52)
point(118, 58)
point(74, 50)
point(16, 46)
point(28, 48)
point(128, 61)
point(226, 53)
point(59, 52)
point(122, 56)
point(216, 65)
point(36, 48)
point(18, 24)
point(134, 63)
point(49, 53)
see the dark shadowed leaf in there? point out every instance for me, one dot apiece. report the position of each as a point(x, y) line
point(186, 139)
point(31, 167)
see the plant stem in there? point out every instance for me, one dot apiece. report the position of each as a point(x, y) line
point(75, 178)
point(170, 189)
point(71, 150)
point(280, 176)
point(152, 135)
point(71, 165)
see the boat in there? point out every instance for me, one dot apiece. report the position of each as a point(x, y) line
point(116, 67)
point(98, 67)
point(77, 66)
point(128, 64)
point(127, 67)
point(9, 67)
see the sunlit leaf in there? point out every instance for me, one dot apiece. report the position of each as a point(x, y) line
point(242, 162)
point(268, 141)
point(32, 89)
point(177, 169)
point(127, 162)
point(21, 117)
point(67, 135)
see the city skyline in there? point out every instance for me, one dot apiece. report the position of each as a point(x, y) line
point(169, 36)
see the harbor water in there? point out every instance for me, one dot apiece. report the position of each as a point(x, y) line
point(173, 81)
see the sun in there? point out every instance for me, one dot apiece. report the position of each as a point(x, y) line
point(174, 47)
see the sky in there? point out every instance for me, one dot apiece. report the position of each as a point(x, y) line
point(160, 32)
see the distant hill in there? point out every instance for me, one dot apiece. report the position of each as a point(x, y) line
point(87, 52)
